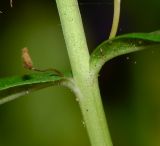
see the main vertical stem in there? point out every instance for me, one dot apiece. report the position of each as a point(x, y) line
point(74, 36)
point(87, 89)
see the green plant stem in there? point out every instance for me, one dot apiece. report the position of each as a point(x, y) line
point(116, 16)
point(74, 36)
point(93, 113)
point(85, 85)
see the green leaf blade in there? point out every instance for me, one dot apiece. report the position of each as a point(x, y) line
point(122, 45)
point(14, 87)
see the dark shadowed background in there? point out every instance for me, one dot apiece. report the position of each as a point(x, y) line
point(130, 84)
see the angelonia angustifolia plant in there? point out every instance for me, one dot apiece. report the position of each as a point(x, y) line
point(85, 67)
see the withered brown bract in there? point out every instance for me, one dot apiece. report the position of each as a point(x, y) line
point(27, 61)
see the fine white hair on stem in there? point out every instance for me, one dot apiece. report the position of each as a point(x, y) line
point(116, 16)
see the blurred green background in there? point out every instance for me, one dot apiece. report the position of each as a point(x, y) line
point(130, 84)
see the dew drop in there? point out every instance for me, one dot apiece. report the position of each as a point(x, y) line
point(27, 92)
point(127, 57)
point(139, 42)
point(109, 42)
point(101, 50)
point(134, 45)
point(77, 99)
point(83, 124)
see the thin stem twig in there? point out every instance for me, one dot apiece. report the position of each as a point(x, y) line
point(11, 3)
point(28, 64)
point(57, 72)
point(116, 16)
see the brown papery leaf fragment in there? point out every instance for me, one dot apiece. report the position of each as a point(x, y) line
point(27, 61)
